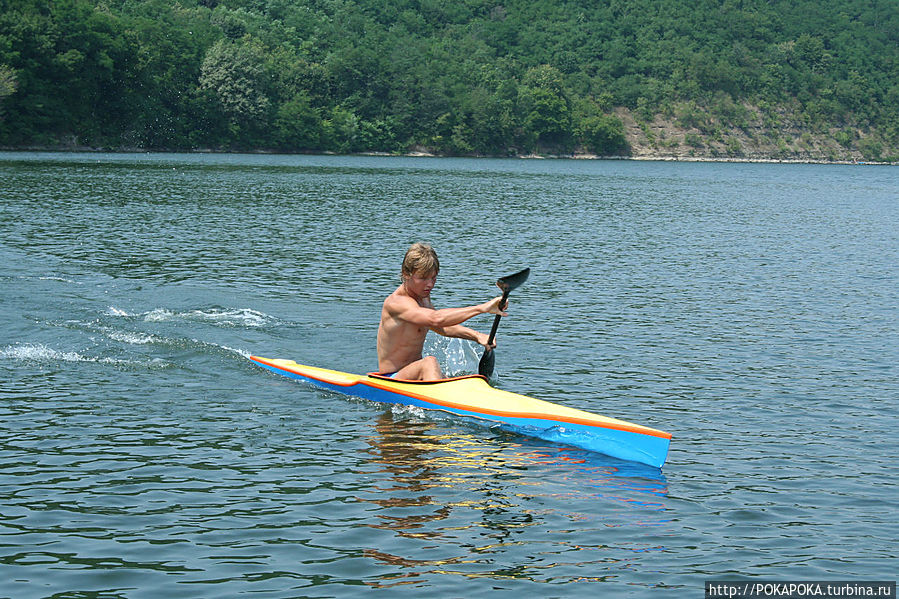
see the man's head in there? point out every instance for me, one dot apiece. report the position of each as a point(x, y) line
point(421, 260)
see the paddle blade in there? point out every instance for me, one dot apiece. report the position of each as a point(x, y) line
point(506, 284)
point(510, 282)
point(488, 360)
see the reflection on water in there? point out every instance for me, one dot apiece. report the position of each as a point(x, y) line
point(402, 452)
point(448, 486)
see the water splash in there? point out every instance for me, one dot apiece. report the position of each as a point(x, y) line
point(456, 356)
point(40, 353)
point(240, 317)
point(133, 338)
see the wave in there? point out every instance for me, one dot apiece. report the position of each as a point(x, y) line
point(60, 279)
point(133, 338)
point(40, 353)
point(152, 341)
point(240, 352)
point(241, 317)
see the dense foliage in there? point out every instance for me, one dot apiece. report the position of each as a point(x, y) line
point(453, 76)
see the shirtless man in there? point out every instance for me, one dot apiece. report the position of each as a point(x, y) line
point(408, 315)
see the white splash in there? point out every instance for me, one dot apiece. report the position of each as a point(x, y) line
point(132, 338)
point(245, 317)
point(240, 352)
point(30, 352)
point(456, 356)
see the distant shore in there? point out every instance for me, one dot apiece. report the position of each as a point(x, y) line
point(425, 154)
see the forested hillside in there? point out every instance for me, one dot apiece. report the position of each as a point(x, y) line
point(723, 78)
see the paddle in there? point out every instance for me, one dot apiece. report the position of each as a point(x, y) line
point(507, 284)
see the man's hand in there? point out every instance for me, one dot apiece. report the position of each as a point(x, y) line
point(494, 307)
point(482, 339)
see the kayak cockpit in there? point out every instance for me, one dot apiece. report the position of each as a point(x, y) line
point(386, 377)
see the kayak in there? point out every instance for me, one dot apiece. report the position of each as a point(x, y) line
point(472, 397)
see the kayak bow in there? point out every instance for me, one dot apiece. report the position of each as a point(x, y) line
point(471, 396)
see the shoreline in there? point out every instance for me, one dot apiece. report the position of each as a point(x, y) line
point(425, 154)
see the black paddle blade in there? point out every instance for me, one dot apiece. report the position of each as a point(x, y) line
point(510, 282)
point(507, 284)
point(488, 360)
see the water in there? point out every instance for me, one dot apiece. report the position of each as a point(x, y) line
point(750, 310)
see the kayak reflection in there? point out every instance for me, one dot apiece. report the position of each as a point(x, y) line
point(448, 486)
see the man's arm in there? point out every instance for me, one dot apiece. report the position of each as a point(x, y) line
point(408, 310)
point(463, 332)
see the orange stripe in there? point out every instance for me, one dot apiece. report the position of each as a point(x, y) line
point(630, 428)
point(627, 427)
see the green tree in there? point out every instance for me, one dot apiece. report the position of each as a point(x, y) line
point(171, 112)
point(74, 65)
point(341, 129)
point(544, 106)
point(603, 134)
point(298, 126)
point(8, 84)
point(234, 73)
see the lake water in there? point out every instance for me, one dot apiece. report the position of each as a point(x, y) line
point(752, 310)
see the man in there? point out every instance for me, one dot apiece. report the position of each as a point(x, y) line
point(408, 315)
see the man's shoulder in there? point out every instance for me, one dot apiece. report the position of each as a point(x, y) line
point(398, 299)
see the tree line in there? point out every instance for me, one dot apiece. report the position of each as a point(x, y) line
point(462, 77)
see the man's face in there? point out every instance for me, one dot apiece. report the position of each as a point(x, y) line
point(420, 284)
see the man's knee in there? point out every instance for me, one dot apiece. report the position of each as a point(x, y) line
point(432, 368)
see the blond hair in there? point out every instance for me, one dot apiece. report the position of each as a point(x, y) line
point(420, 258)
